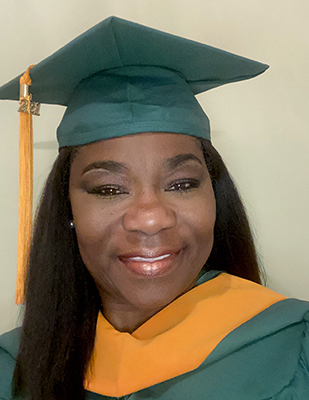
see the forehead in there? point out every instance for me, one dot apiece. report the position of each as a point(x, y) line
point(140, 148)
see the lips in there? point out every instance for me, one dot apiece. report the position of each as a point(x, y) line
point(150, 264)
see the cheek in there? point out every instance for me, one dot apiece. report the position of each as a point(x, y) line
point(93, 226)
point(204, 221)
point(201, 221)
point(201, 217)
point(93, 232)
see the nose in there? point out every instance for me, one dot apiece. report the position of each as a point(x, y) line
point(149, 214)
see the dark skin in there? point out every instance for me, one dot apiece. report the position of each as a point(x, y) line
point(144, 213)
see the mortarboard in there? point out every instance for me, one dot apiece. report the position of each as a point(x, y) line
point(120, 78)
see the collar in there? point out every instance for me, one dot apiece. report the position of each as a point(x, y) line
point(177, 339)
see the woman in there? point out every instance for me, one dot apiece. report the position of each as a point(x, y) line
point(125, 294)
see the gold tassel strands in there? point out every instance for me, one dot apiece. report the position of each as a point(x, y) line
point(26, 110)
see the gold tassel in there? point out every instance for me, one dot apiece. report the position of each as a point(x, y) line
point(25, 184)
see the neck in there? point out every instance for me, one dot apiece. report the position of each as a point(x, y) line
point(127, 316)
point(123, 319)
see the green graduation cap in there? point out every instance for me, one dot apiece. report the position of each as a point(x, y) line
point(121, 78)
point(116, 79)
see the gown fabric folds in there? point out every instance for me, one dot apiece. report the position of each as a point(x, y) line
point(266, 357)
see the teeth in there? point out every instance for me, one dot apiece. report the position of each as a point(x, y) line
point(150, 259)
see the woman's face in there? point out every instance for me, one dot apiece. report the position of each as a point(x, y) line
point(144, 214)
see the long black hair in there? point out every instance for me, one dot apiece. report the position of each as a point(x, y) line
point(233, 250)
point(62, 301)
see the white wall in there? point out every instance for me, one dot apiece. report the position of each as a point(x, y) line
point(259, 126)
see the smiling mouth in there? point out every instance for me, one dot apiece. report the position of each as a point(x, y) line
point(150, 266)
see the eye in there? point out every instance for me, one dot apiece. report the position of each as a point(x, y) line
point(108, 191)
point(183, 185)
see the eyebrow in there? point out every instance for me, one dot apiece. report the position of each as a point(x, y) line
point(112, 166)
point(117, 167)
point(174, 162)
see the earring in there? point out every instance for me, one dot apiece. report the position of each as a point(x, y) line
point(71, 224)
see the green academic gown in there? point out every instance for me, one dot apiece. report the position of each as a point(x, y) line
point(265, 358)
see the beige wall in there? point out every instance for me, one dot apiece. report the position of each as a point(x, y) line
point(259, 126)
